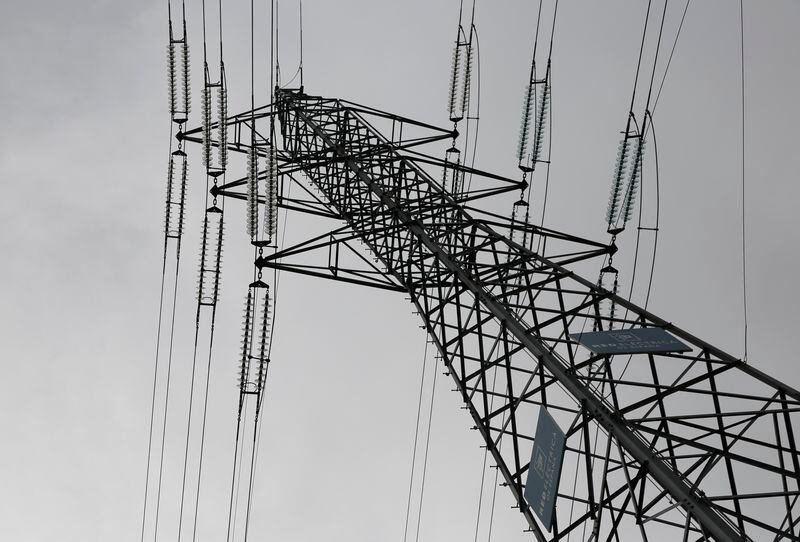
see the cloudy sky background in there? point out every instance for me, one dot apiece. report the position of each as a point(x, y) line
point(83, 154)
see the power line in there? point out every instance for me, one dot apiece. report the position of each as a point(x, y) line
point(671, 53)
point(416, 439)
point(744, 244)
point(425, 459)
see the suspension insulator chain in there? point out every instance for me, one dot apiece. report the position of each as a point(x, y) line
point(455, 79)
point(536, 107)
point(453, 180)
point(634, 179)
point(608, 280)
point(211, 256)
point(528, 105)
point(625, 182)
point(519, 221)
point(176, 192)
point(178, 76)
point(271, 195)
point(215, 132)
point(252, 192)
point(255, 339)
point(466, 88)
point(541, 121)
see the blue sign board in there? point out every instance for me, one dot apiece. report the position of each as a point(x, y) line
point(544, 471)
point(646, 340)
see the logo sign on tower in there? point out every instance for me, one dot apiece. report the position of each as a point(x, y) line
point(648, 340)
point(544, 470)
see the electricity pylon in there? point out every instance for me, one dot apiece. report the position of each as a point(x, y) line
point(687, 444)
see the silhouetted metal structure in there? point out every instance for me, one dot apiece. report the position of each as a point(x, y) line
point(694, 445)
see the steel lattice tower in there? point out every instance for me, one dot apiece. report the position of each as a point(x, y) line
point(698, 445)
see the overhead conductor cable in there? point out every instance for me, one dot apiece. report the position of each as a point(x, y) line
point(174, 218)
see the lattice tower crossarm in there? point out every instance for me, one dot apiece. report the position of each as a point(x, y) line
point(695, 445)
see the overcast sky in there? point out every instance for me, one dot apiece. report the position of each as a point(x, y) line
point(83, 154)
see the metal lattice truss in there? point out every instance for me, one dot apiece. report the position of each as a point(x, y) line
point(691, 446)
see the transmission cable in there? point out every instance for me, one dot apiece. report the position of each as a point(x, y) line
point(542, 245)
point(641, 52)
point(425, 457)
point(416, 439)
point(301, 44)
point(196, 332)
point(203, 424)
point(486, 455)
point(155, 369)
point(644, 129)
point(496, 475)
point(466, 90)
point(744, 246)
point(672, 52)
point(255, 445)
point(166, 394)
point(477, 117)
point(177, 235)
point(606, 258)
point(276, 281)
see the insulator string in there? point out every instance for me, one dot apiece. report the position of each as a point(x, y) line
point(535, 109)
